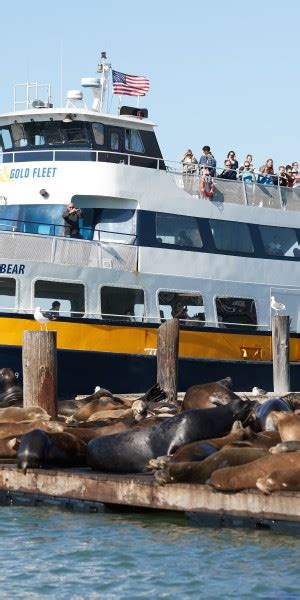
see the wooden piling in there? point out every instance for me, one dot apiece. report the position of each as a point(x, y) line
point(167, 357)
point(280, 349)
point(40, 370)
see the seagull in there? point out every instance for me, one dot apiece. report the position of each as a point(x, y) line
point(256, 391)
point(40, 318)
point(277, 306)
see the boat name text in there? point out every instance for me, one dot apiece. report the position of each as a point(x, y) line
point(8, 268)
point(33, 172)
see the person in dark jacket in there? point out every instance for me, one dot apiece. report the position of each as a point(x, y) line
point(71, 218)
point(228, 172)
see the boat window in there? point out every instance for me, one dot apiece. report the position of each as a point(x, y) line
point(52, 132)
point(114, 140)
point(70, 296)
point(7, 293)
point(19, 135)
point(75, 132)
point(235, 311)
point(5, 139)
point(9, 218)
point(115, 225)
point(133, 141)
point(98, 131)
point(43, 219)
point(187, 307)
point(231, 236)
point(178, 230)
point(279, 241)
point(119, 304)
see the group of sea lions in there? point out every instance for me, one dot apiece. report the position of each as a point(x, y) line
point(213, 437)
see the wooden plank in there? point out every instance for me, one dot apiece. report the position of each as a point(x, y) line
point(280, 350)
point(167, 358)
point(143, 491)
point(39, 370)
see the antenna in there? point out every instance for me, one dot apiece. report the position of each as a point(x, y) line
point(98, 84)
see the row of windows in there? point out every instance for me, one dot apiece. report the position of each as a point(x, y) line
point(156, 229)
point(128, 304)
point(228, 236)
point(37, 134)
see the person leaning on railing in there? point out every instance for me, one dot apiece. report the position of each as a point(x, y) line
point(207, 159)
point(266, 173)
point(247, 175)
point(228, 172)
point(189, 162)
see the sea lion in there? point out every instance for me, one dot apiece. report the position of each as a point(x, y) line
point(285, 447)
point(39, 449)
point(208, 395)
point(11, 393)
point(233, 479)
point(280, 480)
point(9, 447)
point(288, 426)
point(262, 419)
point(16, 414)
point(18, 429)
point(200, 472)
point(130, 452)
point(89, 433)
point(97, 405)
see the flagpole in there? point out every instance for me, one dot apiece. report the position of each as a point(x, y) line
point(120, 102)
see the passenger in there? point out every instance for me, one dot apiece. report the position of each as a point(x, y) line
point(281, 178)
point(296, 175)
point(179, 311)
point(184, 239)
point(267, 172)
point(228, 172)
point(248, 159)
point(290, 176)
point(71, 218)
point(189, 162)
point(232, 158)
point(207, 186)
point(246, 174)
point(207, 159)
point(53, 312)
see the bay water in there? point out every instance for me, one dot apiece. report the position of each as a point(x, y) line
point(46, 552)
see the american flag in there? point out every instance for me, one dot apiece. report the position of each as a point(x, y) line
point(130, 85)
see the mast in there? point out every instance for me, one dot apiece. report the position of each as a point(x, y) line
point(103, 68)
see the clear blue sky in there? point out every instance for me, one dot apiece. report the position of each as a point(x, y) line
point(221, 74)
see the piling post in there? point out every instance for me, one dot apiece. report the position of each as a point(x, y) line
point(167, 358)
point(281, 355)
point(40, 370)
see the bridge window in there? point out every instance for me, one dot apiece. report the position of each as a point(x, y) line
point(19, 135)
point(74, 132)
point(235, 311)
point(279, 241)
point(187, 307)
point(70, 296)
point(115, 225)
point(120, 303)
point(133, 141)
point(98, 131)
point(114, 140)
point(178, 230)
point(5, 139)
point(231, 236)
point(7, 293)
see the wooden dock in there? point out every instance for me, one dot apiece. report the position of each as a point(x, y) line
point(142, 491)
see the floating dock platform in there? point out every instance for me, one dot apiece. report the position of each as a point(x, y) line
point(142, 491)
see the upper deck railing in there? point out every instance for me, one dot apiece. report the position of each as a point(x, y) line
point(226, 190)
point(239, 192)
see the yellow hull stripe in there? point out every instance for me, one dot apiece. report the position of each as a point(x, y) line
point(143, 340)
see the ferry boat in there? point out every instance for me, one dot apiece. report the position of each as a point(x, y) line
point(149, 245)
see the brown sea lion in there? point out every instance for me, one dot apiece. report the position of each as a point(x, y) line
point(285, 447)
point(89, 433)
point(200, 472)
point(18, 429)
point(242, 477)
point(9, 447)
point(39, 449)
point(16, 414)
point(288, 426)
point(208, 395)
point(280, 480)
point(95, 406)
point(110, 414)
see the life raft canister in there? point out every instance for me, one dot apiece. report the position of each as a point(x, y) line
point(207, 188)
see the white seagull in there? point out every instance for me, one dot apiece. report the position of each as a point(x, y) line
point(40, 318)
point(277, 306)
point(256, 391)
